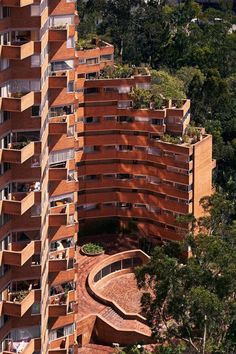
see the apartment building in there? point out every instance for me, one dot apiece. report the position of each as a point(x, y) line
point(38, 228)
point(74, 149)
point(127, 168)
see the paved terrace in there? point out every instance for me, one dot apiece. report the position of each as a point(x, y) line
point(116, 289)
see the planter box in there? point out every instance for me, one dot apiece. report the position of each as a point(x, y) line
point(91, 254)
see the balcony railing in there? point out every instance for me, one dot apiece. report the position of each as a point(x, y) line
point(19, 302)
point(58, 33)
point(60, 79)
point(17, 50)
point(61, 304)
point(23, 347)
point(61, 215)
point(18, 203)
point(19, 257)
point(16, 3)
point(61, 260)
point(17, 152)
point(17, 102)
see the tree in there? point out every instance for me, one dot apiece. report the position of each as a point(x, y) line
point(219, 213)
point(192, 300)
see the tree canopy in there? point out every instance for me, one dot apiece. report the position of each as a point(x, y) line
point(192, 300)
point(193, 46)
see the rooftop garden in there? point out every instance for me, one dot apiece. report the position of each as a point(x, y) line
point(163, 88)
point(90, 43)
point(191, 136)
point(122, 71)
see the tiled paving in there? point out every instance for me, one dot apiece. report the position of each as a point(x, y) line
point(96, 349)
point(89, 305)
point(124, 291)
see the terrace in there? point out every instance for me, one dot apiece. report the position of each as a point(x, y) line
point(91, 43)
point(123, 72)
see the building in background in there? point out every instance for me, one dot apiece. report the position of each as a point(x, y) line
point(75, 149)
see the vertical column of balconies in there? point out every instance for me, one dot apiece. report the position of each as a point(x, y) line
point(21, 183)
point(62, 176)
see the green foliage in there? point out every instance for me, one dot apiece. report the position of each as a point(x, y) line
point(20, 295)
point(141, 98)
point(192, 299)
point(219, 213)
point(171, 139)
point(92, 248)
point(169, 86)
point(186, 75)
point(188, 42)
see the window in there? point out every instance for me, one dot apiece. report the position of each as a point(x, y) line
point(35, 60)
point(35, 111)
point(35, 10)
point(70, 43)
point(35, 310)
point(106, 57)
point(70, 87)
point(92, 61)
point(4, 64)
point(5, 11)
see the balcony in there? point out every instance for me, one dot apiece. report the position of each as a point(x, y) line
point(58, 33)
point(17, 50)
point(16, 257)
point(19, 302)
point(61, 260)
point(17, 152)
point(62, 124)
point(57, 174)
point(60, 79)
point(61, 215)
point(60, 304)
point(23, 347)
point(18, 203)
point(16, 3)
point(17, 102)
point(58, 125)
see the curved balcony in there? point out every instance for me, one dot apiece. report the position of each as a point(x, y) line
point(114, 125)
point(17, 51)
point(132, 183)
point(123, 166)
point(16, 257)
point(151, 212)
point(161, 225)
point(17, 102)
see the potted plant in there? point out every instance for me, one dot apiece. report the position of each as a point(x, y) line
point(92, 249)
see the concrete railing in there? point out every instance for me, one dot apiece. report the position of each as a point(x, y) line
point(94, 279)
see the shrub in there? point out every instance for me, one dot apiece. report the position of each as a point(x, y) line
point(92, 248)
